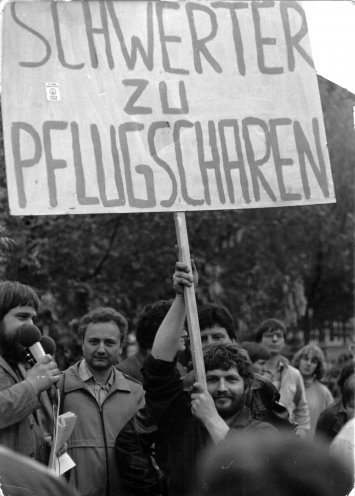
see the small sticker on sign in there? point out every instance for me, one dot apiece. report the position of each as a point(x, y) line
point(53, 93)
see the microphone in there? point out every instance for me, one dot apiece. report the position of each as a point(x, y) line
point(48, 345)
point(29, 336)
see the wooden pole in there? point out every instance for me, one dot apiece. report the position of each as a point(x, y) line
point(190, 300)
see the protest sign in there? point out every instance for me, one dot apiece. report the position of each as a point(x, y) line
point(160, 106)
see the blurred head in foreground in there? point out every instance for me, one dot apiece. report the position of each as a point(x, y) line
point(250, 465)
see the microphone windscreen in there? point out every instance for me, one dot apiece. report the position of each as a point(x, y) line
point(28, 335)
point(48, 345)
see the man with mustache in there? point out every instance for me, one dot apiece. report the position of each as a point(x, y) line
point(207, 416)
point(104, 400)
point(25, 414)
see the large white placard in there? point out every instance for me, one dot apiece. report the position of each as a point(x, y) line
point(122, 106)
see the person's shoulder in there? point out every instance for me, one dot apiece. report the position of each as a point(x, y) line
point(29, 477)
point(264, 386)
point(333, 409)
point(126, 362)
point(261, 381)
point(131, 367)
point(260, 426)
point(295, 372)
point(323, 388)
point(71, 371)
point(122, 378)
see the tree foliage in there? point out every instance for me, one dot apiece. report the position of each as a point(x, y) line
point(293, 262)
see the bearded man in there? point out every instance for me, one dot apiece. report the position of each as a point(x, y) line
point(191, 423)
point(25, 415)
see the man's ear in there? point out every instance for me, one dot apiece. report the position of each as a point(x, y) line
point(122, 343)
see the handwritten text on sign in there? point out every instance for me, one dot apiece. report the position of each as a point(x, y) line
point(152, 106)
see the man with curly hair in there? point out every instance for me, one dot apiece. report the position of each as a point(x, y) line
point(192, 422)
point(310, 361)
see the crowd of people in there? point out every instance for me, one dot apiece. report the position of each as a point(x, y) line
point(259, 424)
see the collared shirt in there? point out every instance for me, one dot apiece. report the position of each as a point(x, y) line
point(99, 391)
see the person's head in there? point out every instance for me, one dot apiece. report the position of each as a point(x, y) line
point(149, 322)
point(346, 371)
point(229, 372)
point(183, 338)
point(271, 333)
point(348, 396)
point(258, 355)
point(103, 332)
point(255, 464)
point(216, 324)
point(310, 361)
point(18, 305)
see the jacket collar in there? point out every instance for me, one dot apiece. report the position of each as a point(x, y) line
point(8, 368)
point(72, 381)
point(240, 419)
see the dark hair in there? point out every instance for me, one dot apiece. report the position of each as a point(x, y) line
point(346, 371)
point(256, 351)
point(149, 322)
point(226, 356)
point(104, 314)
point(269, 325)
point(14, 294)
point(257, 463)
point(348, 390)
point(313, 351)
point(211, 314)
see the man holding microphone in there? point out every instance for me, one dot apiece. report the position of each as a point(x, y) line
point(25, 412)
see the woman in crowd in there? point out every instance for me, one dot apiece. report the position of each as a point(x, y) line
point(310, 361)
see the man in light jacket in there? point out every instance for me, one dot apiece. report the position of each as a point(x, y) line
point(25, 409)
point(103, 398)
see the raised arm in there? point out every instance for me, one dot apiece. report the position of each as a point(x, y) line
point(167, 339)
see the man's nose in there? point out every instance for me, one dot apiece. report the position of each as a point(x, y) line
point(222, 385)
point(101, 347)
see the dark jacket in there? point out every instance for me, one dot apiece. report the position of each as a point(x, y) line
point(142, 450)
point(331, 420)
point(135, 452)
point(262, 398)
point(132, 366)
point(186, 435)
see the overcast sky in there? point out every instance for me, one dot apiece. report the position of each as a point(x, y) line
point(331, 26)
